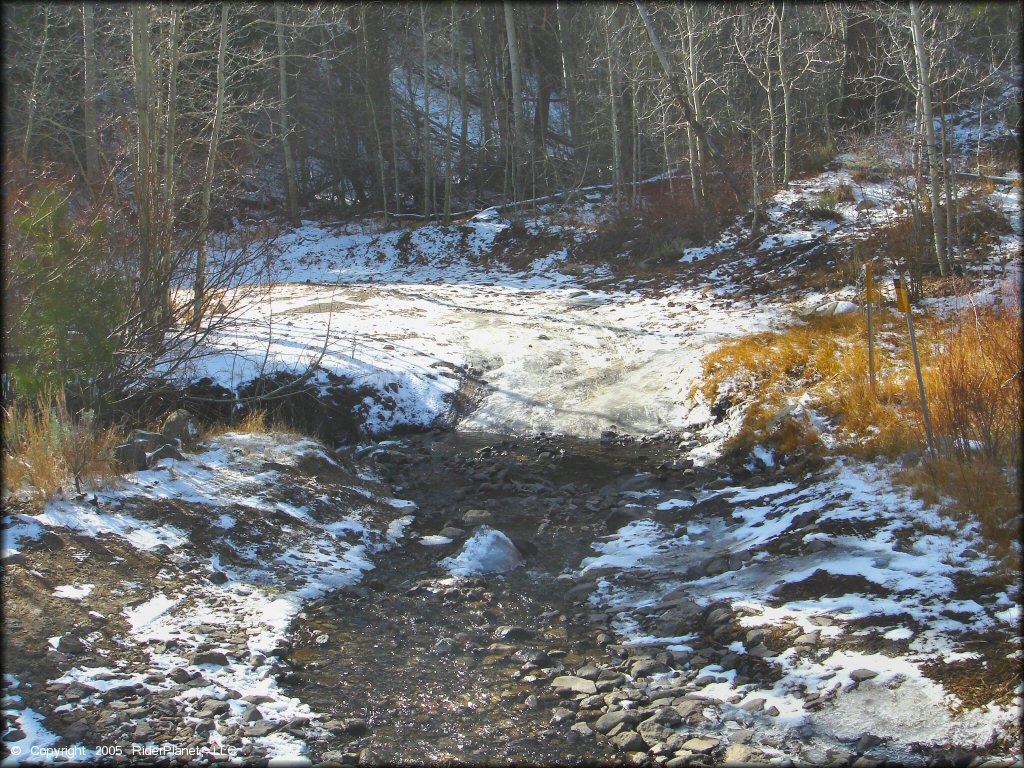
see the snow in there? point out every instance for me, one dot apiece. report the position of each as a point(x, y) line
point(486, 551)
point(73, 591)
point(645, 561)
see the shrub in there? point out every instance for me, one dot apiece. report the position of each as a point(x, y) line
point(972, 367)
point(47, 448)
point(65, 299)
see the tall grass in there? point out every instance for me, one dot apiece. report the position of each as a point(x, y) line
point(971, 366)
point(47, 449)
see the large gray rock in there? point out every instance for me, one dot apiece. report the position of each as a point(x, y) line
point(182, 426)
point(164, 452)
point(151, 440)
point(132, 456)
point(609, 720)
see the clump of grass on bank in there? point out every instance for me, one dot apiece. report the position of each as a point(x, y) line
point(972, 371)
point(251, 422)
point(48, 449)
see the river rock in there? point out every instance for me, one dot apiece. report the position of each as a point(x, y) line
point(164, 452)
point(700, 744)
point(209, 657)
point(574, 684)
point(609, 720)
point(629, 741)
point(475, 517)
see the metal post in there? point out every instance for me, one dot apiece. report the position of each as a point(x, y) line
point(903, 304)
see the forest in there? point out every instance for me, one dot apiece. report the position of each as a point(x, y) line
point(512, 383)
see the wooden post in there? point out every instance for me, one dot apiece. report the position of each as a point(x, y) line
point(868, 283)
point(903, 304)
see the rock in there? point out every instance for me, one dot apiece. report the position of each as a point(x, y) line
point(164, 452)
point(653, 732)
point(217, 577)
point(151, 440)
point(807, 639)
point(475, 517)
point(866, 742)
point(629, 741)
point(486, 551)
point(451, 532)
point(512, 634)
point(562, 715)
point(143, 732)
point(582, 728)
point(740, 754)
point(574, 684)
point(14, 735)
point(700, 744)
point(217, 658)
point(860, 675)
point(609, 720)
point(131, 456)
point(214, 707)
point(646, 667)
point(181, 426)
point(252, 714)
point(830, 308)
point(589, 672)
point(357, 726)
point(72, 645)
point(258, 729)
point(368, 757)
point(753, 705)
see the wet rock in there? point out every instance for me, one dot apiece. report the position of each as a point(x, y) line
point(258, 729)
point(512, 634)
point(740, 754)
point(644, 667)
point(629, 741)
point(574, 684)
point(700, 744)
point(475, 517)
point(866, 742)
point(609, 720)
point(368, 757)
point(562, 715)
point(583, 729)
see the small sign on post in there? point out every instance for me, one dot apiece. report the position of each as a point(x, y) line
point(903, 305)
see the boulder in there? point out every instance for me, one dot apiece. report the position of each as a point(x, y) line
point(609, 720)
point(132, 456)
point(165, 452)
point(486, 551)
point(181, 426)
point(151, 440)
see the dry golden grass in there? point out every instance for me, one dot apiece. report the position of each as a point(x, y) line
point(48, 449)
point(252, 422)
point(972, 372)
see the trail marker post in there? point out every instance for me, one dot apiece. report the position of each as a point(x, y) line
point(903, 305)
point(868, 283)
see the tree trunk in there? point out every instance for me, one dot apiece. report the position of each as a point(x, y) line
point(169, 174)
point(211, 164)
point(787, 112)
point(33, 94)
point(518, 118)
point(150, 292)
point(924, 84)
point(91, 130)
point(289, 164)
point(425, 152)
point(684, 105)
point(616, 159)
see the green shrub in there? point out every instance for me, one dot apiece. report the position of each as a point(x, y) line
point(65, 299)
